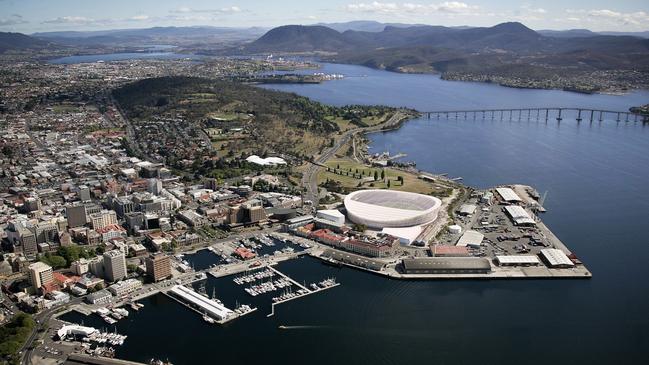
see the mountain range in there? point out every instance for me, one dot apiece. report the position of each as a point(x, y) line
point(507, 37)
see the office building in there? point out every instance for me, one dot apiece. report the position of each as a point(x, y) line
point(114, 265)
point(76, 215)
point(40, 274)
point(158, 266)
point(103, 219)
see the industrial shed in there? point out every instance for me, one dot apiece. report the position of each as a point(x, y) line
point(446, 265)
point(508, 195)
point(517, 260)
point(556, 258)
point(519, 216)
point(470, 238)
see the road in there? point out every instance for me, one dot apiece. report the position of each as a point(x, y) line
point(42, 321)
point(310, 176)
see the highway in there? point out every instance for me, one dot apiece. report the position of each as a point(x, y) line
point(310, 176)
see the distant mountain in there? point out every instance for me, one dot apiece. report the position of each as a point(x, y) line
point(570, 33)
point(363, 26)
point(506, 37)
point(632, 34)
point(17, 41)
point(299, 38)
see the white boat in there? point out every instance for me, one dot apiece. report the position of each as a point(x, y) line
point(208, 319)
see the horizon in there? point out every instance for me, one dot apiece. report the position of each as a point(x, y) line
point(33, 16)
point(327, 24)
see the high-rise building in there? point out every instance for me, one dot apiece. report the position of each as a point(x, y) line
point(114, 265)
point(76, 215)
point(84, 193)
point(40, 274)
point(158, 266)
point(103, 219)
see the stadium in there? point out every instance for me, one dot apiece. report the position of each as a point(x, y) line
point(388, 208)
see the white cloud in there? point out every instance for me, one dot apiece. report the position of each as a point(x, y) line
point(448, 7)
point(13, 19)
point(73, 20)
point(611, 17)
point(139, 18)
point(220, 11)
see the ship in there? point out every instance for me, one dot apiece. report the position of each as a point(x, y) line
point(332, 262)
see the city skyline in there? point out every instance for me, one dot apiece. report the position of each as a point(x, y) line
point(30, 16)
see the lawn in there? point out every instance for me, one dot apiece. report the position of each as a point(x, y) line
point(410, 181)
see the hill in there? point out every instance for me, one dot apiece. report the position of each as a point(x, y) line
point(299, 38)
point(508, 53)
point(18, 41)
point(169, 114)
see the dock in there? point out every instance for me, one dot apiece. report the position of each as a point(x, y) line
point(288, 278)
point(309, 292)
point(232, 315)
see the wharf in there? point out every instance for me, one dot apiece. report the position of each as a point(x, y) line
point(287, 277)
point(310, 291)
point(78, 359)
point(224, 321)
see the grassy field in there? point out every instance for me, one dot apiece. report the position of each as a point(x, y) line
point(410, 181)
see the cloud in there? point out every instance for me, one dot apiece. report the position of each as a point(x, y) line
point(447, 7)
point(139, 18)
point(611, 17)
point(72, 20)
point(13, 19)
point(220, 11)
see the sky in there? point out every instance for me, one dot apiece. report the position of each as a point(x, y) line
point(29, 16)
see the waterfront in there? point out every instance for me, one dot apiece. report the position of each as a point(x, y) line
point(596, 176)
point(154, 54)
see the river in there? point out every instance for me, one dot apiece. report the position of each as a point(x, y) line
point(596, 176)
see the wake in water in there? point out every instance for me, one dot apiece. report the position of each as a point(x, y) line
point(301, 327)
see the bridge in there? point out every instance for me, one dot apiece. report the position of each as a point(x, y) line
point(537, 114)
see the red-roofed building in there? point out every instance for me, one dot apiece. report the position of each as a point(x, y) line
point(449, 251)
point(49, 287)
point(244, 253)
point(327, 237)
point(111, 231)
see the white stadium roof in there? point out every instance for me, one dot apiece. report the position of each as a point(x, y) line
point(390, 208)
point(508, 195)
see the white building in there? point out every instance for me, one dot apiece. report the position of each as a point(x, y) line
point(114, 265)
point(332, 215)
point(80, 267)
point(40, 274)
point(125, 287)
point(103, 219)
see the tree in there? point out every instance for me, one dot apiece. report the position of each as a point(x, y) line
point(376, 175)
point(382, 174)
point(388, 184)
point(57, 262)
point(359, 227)
point(131, 268)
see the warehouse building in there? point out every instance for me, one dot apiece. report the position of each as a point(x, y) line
point(446, 265)
point(508, 195)
point(517, 260)
point(519, 215)
point(556, 258)
point(470, 238)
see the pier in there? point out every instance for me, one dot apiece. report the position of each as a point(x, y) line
point(538, 114)
point(308, 292)
point(203, 305)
